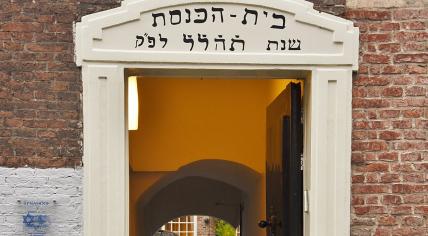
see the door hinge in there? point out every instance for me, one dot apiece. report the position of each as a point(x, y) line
point(301, 161)
point(305, 201)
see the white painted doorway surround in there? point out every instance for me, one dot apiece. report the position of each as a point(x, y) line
point(279, 35)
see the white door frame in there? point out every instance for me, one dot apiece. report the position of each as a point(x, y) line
point(328, 123)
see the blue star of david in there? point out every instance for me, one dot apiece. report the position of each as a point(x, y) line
point(28, 219)
point(35, 221)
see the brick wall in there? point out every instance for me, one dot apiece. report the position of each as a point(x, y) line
point(206, 225)
point(41, 123)
point(40, 86)
point(390, 148)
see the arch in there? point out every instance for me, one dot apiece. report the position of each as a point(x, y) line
point(208, 187)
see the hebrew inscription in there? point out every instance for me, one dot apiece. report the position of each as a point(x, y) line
point(166, 28)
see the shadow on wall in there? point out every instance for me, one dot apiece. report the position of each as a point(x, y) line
point(207, 187)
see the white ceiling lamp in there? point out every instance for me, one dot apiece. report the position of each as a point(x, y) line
point(132, 103)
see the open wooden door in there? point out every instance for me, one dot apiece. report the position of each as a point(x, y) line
point(284, 170)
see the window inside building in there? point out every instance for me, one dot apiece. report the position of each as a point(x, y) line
point(182, 226)
point(198, 226)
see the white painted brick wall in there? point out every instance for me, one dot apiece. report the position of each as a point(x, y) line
point(62, 185)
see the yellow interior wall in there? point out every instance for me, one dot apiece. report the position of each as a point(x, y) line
point(185, 120)
point(139, 182)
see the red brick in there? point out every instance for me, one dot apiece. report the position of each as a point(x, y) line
point(13, 122)
point(358, 115)
point(388, 156)
point(369, 146)
point(415, 135)
point(357, 200)
point(390, 178)
point(414, 177)
point(374, 92)
point(402, 124)
point(414, 46)
point(413, 25)
point(413, 113)
point(387, 220)
point(389, 114)
point(409, 188)
point(389, 135)
point(402, 167)
point(422, 124)
point(421, 167)
point(390, 47)
point(407, 14)
point(372, 200)
point(411, 58)
point(368, 15)
point(416, 199)
point(371, 178)
point(22, 27)
point(392, 92)
point(410, 145)
point(382, 231)
point(379, 124)
point(370, 189)
point(401, 210)
point(385, 26)
point(413, 221)
point(374, 167)
point(391, 199)
point(369, 103)
point(411, 36)
point(357, 158)
point(417, 69)
point(381, 59)
point(421, 210)
point(412, 156)
point(47, 47)
point(386, 37)
point(358, 178)
point(359, 92)
point(360, 135)
point(415, 91)
point(369, 210)
point(371, 80)
point(362, 221)
point(393, 69)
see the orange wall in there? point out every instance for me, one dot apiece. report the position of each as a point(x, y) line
point(185, 120)
point(139, 182)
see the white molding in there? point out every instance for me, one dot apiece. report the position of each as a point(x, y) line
point(106, 167)
point(327, 137)
point(89, 33)
point(330, 162)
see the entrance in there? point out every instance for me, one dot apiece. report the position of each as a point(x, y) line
point(200, 147)
point(263, 39)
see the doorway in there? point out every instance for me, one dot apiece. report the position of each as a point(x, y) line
point(198, 116)
point(322, 48)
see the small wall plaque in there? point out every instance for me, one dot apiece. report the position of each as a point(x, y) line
point(36, 215)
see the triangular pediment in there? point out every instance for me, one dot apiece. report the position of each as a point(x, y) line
point(288, 32)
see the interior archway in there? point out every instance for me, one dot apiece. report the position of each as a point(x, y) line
point(219, 188)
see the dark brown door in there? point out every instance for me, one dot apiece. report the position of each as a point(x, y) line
point(284, 180)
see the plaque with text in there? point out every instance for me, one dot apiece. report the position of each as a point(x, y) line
point(36, 215)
